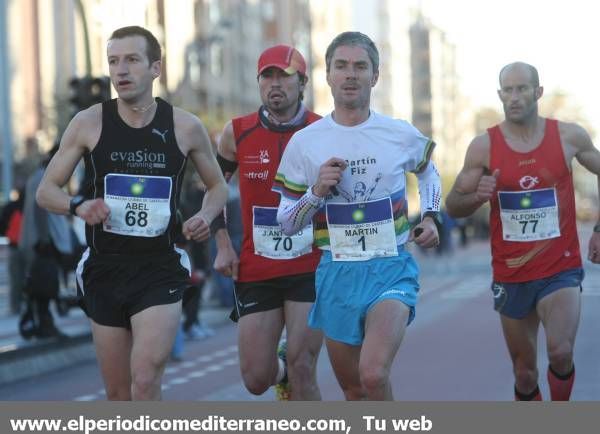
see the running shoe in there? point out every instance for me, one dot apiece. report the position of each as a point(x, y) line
point(282, 389)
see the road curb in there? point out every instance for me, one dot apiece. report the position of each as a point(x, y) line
point(24, 360)
point(40, 358)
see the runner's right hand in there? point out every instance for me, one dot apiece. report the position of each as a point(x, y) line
point(227, 262)
point(93, 211)
point(487, 186)
point(330, 175)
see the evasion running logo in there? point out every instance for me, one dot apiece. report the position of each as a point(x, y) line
point(140, 159)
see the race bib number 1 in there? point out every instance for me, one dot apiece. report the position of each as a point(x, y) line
point(140, 206)
point(271, 242)
point(362, 230)
point(530, 215)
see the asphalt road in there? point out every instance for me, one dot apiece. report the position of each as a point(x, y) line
point(453, 351)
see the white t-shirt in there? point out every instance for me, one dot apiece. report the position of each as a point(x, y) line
point(378, 153)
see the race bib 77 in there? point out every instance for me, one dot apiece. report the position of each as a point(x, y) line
point(530, 215)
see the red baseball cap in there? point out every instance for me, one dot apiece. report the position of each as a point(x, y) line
point(284, 57)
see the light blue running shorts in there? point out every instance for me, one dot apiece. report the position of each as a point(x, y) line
point(346, 291)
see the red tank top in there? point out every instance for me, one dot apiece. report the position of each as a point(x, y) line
point(259, 152)
point(532, 217)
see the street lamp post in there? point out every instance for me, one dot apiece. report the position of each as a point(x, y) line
point(5, 111)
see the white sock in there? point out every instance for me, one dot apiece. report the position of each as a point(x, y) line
point(280, 371)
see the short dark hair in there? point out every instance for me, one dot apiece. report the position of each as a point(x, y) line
point(357, 39)
point(535, 78)
point(303, 79)
point(153, 50)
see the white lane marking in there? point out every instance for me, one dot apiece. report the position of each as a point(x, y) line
point(86, 398)
point(182, 378)
point(179, 380)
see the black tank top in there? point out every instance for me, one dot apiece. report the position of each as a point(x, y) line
point(138, 172)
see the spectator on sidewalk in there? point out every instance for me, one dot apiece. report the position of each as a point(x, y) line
point(45, 237)
point(198, 252)
point(10, 227)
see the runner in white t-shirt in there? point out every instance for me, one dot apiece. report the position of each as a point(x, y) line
point(346, 174)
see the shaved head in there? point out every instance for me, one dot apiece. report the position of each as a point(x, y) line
point(535, 78)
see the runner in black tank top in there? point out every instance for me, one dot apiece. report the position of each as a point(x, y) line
point(150, 151)
point(131, 278)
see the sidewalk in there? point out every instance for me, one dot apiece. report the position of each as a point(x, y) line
point(20, 358)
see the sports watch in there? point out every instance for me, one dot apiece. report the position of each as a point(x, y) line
point(75, 202)
point(436, 217)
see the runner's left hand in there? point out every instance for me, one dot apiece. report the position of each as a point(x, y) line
point(196, 228)
point(429, 236)
point(594, 248)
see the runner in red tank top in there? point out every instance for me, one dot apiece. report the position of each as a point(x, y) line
point(523, 167)
point(274, 276)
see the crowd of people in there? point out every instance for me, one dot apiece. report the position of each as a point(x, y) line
point(320, 254)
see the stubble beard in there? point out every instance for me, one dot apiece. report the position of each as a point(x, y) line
point(280, 109)
point(355, 103)
point(529, 113)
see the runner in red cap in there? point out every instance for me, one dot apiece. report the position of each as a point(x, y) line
point(283, 57)
point(523, 167)
point(274, 275)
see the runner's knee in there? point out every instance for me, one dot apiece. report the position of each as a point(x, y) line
point(301, 370)
point(561, 356)
point(373, 377)
point(120, 392)
point(301, 358)
point(354, 394)
point(526, 377)
point(257, 377)
point(146, 374)
point(145, 384)
point(255, 384)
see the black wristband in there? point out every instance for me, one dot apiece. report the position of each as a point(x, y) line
point(436, 217)
point(218, 223)
point(228, 167)
point(74, 203)
point(597, 227)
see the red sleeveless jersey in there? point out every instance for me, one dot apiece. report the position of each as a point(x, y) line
point(259, 151)
point(532, 217)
